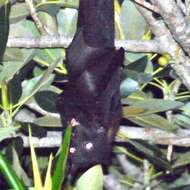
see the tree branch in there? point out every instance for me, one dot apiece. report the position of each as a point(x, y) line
point(42, 42)
point(111, 183)
point(176, 21)
point(155, 136)
point(152, 135)
point(147, 5)
point(160, 30)
point(155, 45)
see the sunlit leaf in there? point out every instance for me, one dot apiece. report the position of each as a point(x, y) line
point(7, 132)
point(48, 121)
point(48, 179)
point(92, 178)
point(67, 19)
point(132, 20)
point(156, 105)
point(155, 121)
point(4, 96)
point(182, 160)
point(153, 105)
point(128, 86)
point(18, 12)
point(35, 168)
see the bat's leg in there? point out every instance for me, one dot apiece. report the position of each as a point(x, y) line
point(95, 33)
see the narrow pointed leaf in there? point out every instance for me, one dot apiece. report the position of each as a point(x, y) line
point(155, 121)
point(59, 173)
point(4, 25)
point(10, 175)
point(35, 168)
point(48, 179)
point(152, 153)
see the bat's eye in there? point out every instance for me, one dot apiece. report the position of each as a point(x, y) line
point(74, 122)
point(72, 150)
point(89, 146)
point(101, 130)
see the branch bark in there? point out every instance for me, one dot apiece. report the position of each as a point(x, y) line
point(156, 136)
point(152, 135)
point(163, 34)
point(176, 21)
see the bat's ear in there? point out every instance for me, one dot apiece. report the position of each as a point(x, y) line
point(119, 56)
point(62, 108)
point(59, 103)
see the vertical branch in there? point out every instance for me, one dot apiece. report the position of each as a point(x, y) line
point(176, 21)
point(187, 5)
point(171, 96)
point(162, 33)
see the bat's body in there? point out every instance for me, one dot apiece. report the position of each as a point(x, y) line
point(91, 97)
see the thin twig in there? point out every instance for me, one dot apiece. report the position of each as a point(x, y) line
point(182, 6)
point(148, 5)
point(34, 16)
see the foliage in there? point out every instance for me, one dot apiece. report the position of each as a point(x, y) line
point(31, 79)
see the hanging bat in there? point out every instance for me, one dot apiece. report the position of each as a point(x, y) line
point(91, 98)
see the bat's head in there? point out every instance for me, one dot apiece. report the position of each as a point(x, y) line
point(88, 146)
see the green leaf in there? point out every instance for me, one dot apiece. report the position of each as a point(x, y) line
point(13, 54)
point(10, 68)
point(35, 167)
point(4, 96)
point(28, 86)
point(52, 7)
point(128, 86)
point(42, 82)
point(152, 153)
point(7, 132)
point(139, 77)
point(92, 178)
point(48, 121)
point(46, 100)
point(14, 89)
point(182, 160)
point(181, 187)
point(182, 120)
point(19, 11)
point(132, 111)
point(132, 22)
point(16, 165)
point(10, 175)
point(155, 121)
point(46, 57)
point(67, 21)
point(137, 62)
point(59, 172)
point(153, 105)
point(49, 22)
point(4, 25)
point(24, 28)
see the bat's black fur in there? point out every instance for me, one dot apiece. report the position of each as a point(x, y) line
point(91, 95)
